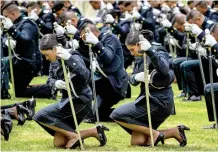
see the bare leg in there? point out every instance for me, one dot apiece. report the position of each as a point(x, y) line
point(139, 139)
point(140, 129)
point(172, 133)
point(62, 134)
point(60, 140)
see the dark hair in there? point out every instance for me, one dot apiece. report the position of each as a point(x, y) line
point(133, 36)
point(202, 4)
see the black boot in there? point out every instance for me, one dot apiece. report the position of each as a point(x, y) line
point(30, 105)
point(6, 125)
point(20, 113)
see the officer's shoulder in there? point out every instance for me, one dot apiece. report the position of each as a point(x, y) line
point(210, 22)
point(145, 9)
point(156, 44)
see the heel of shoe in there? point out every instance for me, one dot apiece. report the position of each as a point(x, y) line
point(105, 128)
point(160, 138)
point(182, 129)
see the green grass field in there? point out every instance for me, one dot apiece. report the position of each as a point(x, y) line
point(31, 137)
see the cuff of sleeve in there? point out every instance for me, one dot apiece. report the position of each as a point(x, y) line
point(151, 52)
point(215, 46)
point(98, 48)
point(77, 35)
point(171, 30)
point(14, 32)
point(201, 36)
point(40, 23)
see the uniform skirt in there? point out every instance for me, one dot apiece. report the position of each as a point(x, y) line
point(136, 112)
point(62, 118)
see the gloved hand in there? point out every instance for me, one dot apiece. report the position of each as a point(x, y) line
point(192, 46)
point(165, 8)
point(70, 28)
point(109, 6)
point(210, 40)
point(195, 29)
point(12, 43)
point(75, 44)
point(60, 84)
point(109, 19)
point(140, 77)
point(173, 41)
point(0, 32)
point(33, 15)
point(136, 26)
point(166, 23)
point(90, 37)
point(202, 51)
point(176, 10)
point(135, 13)
point(94, 65)
point(127, 17)
point(217, 72)
point(144, 44)
point(58, 29)
point(7, 23)
point(62, 53)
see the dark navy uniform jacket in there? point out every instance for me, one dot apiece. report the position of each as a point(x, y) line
point(25, 32)
point(157, 58)
point(80, 77)
point(45, 22)
point(110, 58)
point(147, 20)
point(74, 9)
point(212, 15)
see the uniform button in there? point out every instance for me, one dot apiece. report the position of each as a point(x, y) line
point(15, 30)
point(74, 63)
point(12, 33)
point(102, 47)
point(99, 51)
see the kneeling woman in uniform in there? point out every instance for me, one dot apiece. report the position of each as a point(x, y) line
point(57, 118)
point(133, 116)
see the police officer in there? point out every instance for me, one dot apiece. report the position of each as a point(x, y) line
point(109, 55)
point(133, 116)
point(57, 119)
point(211, 41)
point(45, 21)
point(190, 69)
point(58, 9)
point(202, 6)
point(71, 7)
point(25, 32)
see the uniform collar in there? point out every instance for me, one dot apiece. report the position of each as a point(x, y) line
point(18, 19)
point(102, 34)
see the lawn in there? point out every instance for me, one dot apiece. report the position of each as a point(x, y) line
point(31, 137)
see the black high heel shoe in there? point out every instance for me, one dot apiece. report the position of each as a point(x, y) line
point(182, 129)
point(30, 105)
point(76, 144)
point(159, 138)
point(102, 137)
point(20, 113)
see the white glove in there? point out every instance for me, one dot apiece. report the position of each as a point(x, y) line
point(94, 65)
point(109, 19)
point(165, 8)
point(62, 53)
point(75, 44)
point(173, 41)
point(109, 6)
point(192, 46)
point(210, 40)
point(0, 32)
point(217, 72)
point(90, 37)
point(70, 28)
point(7, 23)
point(195, 29)
point(140, 77)
point(166, 23)
point(156, 12)
point(128, 17)
point(58, 29)
point(144, 44)
point(176, 10)
point(33, 15)
point(135, 13)
point(60, 84)
point(136, 26)
point(12, 43)
point(202, 51)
